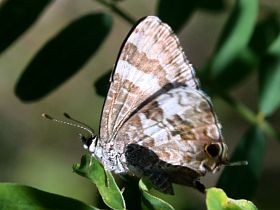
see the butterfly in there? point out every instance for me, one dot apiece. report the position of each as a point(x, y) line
point(156, 121)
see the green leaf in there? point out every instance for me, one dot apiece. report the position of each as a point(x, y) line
point(236, 71)
point(63, 56)
point(242, 181)
point(216, 199)
point(274, 48)
point(176, 13)
point(150, 202)
point(16, 17)
point(20, 197)
point(105, 182)
point(265, 33)
point(102, 84)
point(236, 35)
point(269, 78)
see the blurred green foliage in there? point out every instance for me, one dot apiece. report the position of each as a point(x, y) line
point(250, 148)
point(19, 197)
point(249, 44)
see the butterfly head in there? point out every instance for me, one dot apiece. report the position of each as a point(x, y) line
point(90, 142)
point(217, 154)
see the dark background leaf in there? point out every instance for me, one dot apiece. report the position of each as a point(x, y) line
point(176, 13)
point(211, 6)
point(16, 17)
point(241, 182)
point(265, 32)
point(236, 72)
point(102, 84)
point(63, 56)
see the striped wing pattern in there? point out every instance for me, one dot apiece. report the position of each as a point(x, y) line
point(150, 59)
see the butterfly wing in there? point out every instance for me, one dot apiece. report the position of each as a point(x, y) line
point(144, 162)
point(176, 126)
point(150, 59)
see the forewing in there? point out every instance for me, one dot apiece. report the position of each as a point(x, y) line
point(150, 59)
point(176, 126)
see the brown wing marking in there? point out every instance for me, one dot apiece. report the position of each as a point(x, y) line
point(151, 57)
point(176, 126)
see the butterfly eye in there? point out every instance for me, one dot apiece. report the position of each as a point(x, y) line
point(213, 150)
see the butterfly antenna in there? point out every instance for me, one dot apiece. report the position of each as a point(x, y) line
point(237, 163)
point(78, 125)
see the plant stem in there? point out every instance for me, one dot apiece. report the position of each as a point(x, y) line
point(243, 110)
point(250, 116)
point(112, 6)
point(268, 129)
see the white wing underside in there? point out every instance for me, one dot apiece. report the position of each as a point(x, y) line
point(150, 61)
point(175, 125)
